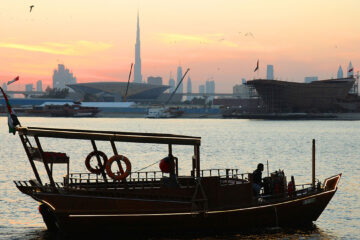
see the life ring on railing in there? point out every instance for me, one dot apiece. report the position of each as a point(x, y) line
point(98, 169)
point(121, 174)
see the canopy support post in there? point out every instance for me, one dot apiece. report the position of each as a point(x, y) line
point(99, 160)
point(313, 163)
point(33, 166)
point(197, 159)
point(52, 183)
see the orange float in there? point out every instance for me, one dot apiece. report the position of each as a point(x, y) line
point(120, 175)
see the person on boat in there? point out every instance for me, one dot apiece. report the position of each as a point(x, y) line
point(257, 179)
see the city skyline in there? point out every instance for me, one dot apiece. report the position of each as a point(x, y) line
point(224, 44)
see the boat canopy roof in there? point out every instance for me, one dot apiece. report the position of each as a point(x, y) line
point(159, 138)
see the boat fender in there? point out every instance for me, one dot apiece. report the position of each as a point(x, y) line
point(98, 169)
point(166, 165)
point(121, 174)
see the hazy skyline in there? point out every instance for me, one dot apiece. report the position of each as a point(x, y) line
point(218, 39)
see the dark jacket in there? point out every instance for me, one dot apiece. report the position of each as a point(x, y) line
point(257, 177)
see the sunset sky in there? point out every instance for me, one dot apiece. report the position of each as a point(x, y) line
point(215, 39)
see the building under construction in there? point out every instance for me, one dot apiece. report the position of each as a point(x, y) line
point(292, 97)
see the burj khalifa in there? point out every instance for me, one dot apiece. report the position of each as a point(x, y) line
point(137, 67)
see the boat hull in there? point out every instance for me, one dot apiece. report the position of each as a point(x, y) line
point(119, 214)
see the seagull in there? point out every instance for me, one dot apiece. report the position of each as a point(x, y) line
point(249, 34)
point(31, 7)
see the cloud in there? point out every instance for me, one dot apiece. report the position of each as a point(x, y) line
point(77, 48)
point(216, 38)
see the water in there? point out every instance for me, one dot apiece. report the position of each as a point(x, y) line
point(226, 143)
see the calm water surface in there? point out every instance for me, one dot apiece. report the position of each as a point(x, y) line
point(225, 144)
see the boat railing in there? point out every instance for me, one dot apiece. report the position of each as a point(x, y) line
point(227, 173)
point(300, 190)
point(151, 176)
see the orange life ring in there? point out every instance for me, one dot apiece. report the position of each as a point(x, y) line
point(98, 169)
point(120, 175)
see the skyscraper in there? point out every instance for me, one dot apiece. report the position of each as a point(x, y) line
point(39, 86)
point(62, 76)
point(137, 66)
point(171, 84)
point(350, 72)
point(210, 86)
point(340, 73)
point(178, 79)
point(29, 87)
point(201, 88)
point(270, 72)
point(189, 88)
point(4, 87)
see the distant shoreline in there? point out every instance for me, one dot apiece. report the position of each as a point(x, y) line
point(321, 116)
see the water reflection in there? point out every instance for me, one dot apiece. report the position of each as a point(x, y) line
point(225, 144)
point(276, 233)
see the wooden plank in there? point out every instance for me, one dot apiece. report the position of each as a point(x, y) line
point(101, 136)
point(113, 132)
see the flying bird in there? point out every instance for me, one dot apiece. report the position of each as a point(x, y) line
point(249, 34)
point(31, 7)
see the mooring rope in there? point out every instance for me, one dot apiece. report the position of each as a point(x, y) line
point(147, 166)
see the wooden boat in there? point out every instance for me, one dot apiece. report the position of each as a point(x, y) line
point(63, 110)
point(164, 201)
point(164, 112)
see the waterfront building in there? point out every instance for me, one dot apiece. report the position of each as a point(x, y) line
point(178, 79)
point(270, 72)
point(310, 79)
point(202, 89)
point(189, 88)
point(137, 66)
point(115, 91)
point(210, 86)
point(171, 84)
point(350, 72)
point(29, 87)
point(154, 80)
point(39, 86)
point(243, 81)
point(62, 77)
point(4, 87)
point(241, 91)
point(340, 73)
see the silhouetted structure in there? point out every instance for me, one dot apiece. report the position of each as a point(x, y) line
point(137, 66)
point(317, 96)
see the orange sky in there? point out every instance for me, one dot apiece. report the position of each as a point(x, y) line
point(95, 39)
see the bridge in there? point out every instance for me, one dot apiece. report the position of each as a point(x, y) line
point(25, 93)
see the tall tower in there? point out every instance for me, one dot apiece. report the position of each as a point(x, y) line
point(189, 88)
point(137, 67)
point(270, 72)
point(178, 79)
point(350, 72)
point(171, 84)
point(340, 73)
